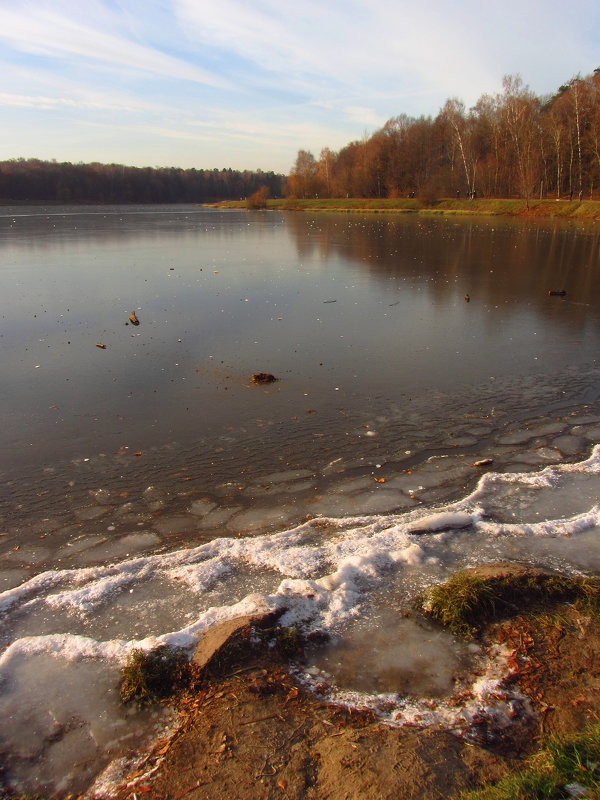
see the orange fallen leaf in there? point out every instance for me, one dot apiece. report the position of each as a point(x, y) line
point(138, 454)
point(379, 480)
point(281, 784)
point(52, 406)
point(577, 701)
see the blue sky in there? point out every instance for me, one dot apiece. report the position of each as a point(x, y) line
point(246, 83)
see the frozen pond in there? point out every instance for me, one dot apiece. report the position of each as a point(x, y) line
point(150, 489)
point(362, 318)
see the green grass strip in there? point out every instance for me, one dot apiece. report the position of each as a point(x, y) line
point(566, 765)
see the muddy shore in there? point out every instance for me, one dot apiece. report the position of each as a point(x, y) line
point(255, 732)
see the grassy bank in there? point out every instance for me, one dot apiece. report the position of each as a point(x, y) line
point(565, 767)
point(589, 209)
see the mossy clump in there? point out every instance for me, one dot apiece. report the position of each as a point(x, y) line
point(565, 768)
point(153, 676)
point(468, 601)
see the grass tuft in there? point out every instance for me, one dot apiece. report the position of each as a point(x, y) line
point(154, 676)
point(466, 602)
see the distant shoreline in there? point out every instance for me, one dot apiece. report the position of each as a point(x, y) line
point(565, 209)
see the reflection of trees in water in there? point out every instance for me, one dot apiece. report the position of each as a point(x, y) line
point(497, 262)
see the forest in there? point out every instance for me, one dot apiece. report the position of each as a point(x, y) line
point(512, 144)
point(32, 180)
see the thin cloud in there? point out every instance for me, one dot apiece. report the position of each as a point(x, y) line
point(49, 103)
point(296, 75)
point(44, 32)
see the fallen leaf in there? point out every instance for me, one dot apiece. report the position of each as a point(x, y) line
point(379, 480)
point(101, 346)
point(579, 700)
point(138, 454)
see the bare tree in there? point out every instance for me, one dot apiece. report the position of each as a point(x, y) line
point(520, 109)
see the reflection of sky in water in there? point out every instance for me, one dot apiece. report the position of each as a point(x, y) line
point(219, 282)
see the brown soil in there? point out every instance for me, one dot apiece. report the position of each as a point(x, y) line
point(557, 665)
point(255, 734)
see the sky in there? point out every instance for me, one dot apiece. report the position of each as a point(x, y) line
point(247, 83)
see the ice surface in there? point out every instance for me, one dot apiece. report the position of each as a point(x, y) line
point(119, 548)
point(569, 445)
point(72, 721)
point(168, 526)
point(332, 573)
point(202, 507)
point(257, 518)
point(90, 512)
point(218, 517)
point(439, 522)
point(386, 653)
point(10, 578)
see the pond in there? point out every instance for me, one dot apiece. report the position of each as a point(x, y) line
point(423, 364)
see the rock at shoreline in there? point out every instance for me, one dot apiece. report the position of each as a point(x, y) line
point(217, 637)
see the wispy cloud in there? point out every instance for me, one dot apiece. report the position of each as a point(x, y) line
point(249, 83)
point(46, 103)
point(40, 30)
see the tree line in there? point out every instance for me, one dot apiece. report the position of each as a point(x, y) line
point(32, 180)
point(512, 144)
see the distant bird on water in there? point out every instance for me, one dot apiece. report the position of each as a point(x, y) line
point(467, 298)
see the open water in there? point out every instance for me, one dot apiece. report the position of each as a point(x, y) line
point(149, 489)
